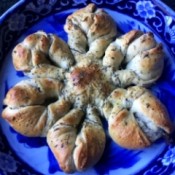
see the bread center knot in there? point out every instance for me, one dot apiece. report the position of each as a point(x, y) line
point(83, 76)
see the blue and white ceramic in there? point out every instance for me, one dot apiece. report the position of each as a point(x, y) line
point(20, 155)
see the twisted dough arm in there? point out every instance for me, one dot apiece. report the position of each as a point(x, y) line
point(139, 55)
point(148, 64)
point(33, 92)
point(30, 108)
point(116, 51)
point(76, 143)
point(135, 117)
point(46, 71)
point(144, 103)
point(41, 48)
point(90, 30)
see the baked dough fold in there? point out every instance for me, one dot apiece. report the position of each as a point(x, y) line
point(77, 142)
point(135, 117)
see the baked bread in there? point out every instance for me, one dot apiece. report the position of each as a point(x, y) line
point(70, 88)
point(41, 48)
point(90, 30)
point(47, 59)
point(136, 58)
point(34, 106)
point(46, 70)
point(77, 142)
point(135, 117)
point(87, 84)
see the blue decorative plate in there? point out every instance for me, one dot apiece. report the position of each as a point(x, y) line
point(30, 156)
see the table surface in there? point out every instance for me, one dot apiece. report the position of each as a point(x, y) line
point(5, 4)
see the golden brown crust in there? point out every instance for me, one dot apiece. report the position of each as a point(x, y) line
point(128, 38)
point(144, 42)
point(35, 120)
point(23, 52)
point(61, 139)
point(135, 117)
point(143, 59)
point(90, 145)
point(60, 53)
point(88, 84)
point(148, 64)
point(41, 48)
point(124, 129)
point(77, 149)
point(82, 76)
point(29, 126)
point(151, 107)
point(33, 92)
point(59, 108)
point(35, 100)
point(90, 142)
point(89, 30)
